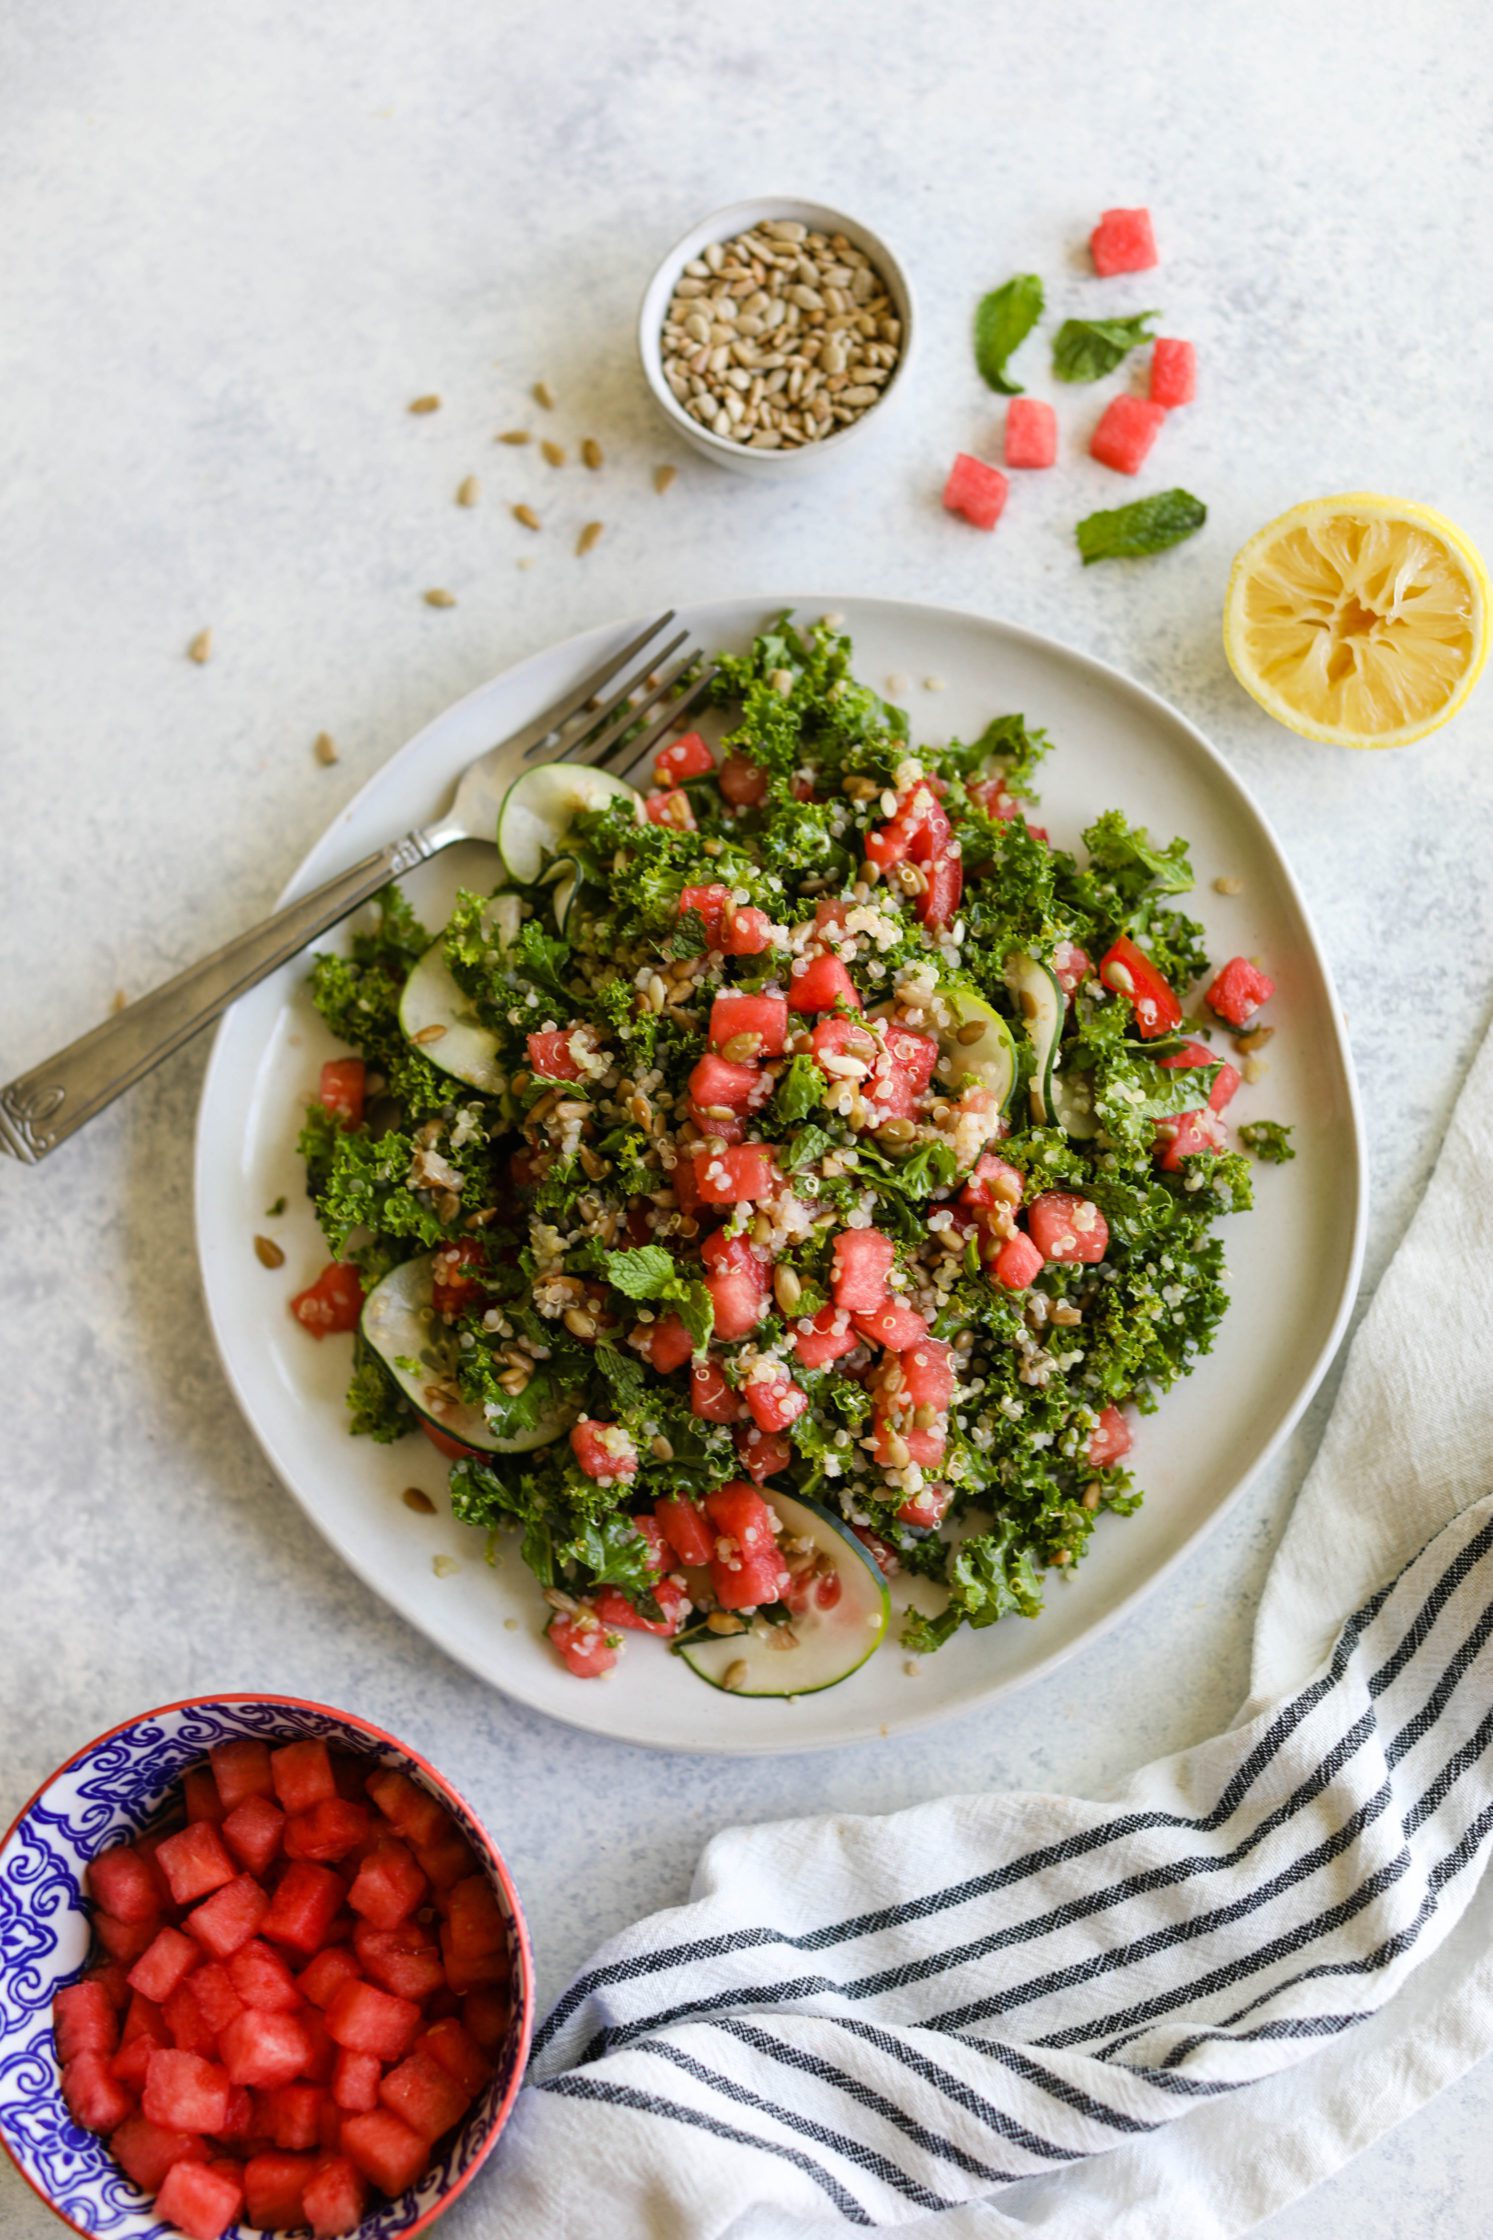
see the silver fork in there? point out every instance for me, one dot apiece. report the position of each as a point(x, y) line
point(42, 1108)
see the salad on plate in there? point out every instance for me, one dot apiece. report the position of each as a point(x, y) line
point(791, 1179)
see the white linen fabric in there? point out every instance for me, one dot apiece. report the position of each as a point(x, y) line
point(1169, 2011)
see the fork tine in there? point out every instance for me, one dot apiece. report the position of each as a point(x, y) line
point(532, 736)
point(623, 712)
point(599, 724)
point(638, 749)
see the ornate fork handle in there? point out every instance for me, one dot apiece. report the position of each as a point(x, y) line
point(40, 1109)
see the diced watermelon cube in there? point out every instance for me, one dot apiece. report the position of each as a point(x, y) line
point(334, 2198)
point(1066, 1227)
point(322, 1978)
point(452, 1858)
point(200, 2199)
point(976, 490)
point(241, 1768)
point(305, 1902)
point(188, 2025)
point(201, 1793)
point(160, 1968)
point(551, 1055)
point(721, 1088)
point(217, 2001)
point(582, 1643)
point(1185, 1136)
point(606, 1453)
point(124, 1882)
point(487, 2013)
point(1031, 433)
point(125, 1941)
point(927, 1374)
point(412, 1811)
point(110, 1978)
point(710, 903)
point(144, 2031)
point(329, 1830)
point(737, 1281)
point(341, 1089)
point(1123, 242)
point(1017, 1263)
point(230, 1916)
point(1174, 372)
point(925, 1448)
point(275, 2188)
point(243, 2117)
point(451, 2044)
point(893, 1324)
point(355, 2079)
point(323, 2055)
point(685, 1528)
point(292, 2114)
point(385, 2149)
point(859, 1266)
point(668, 1343)
point(733, 1014)
point(473, 1914)
point(367, 2020)
point(406, 1960)
point(84, 2020)
point(184, 2092)
point(672, 808)
point(253, 1832)
point(1127, 429)
point(763, 1454)
point(263, 2049)
point(687, 757)
point(1238, 991)
point(302, 1774)
point(822, 983)
point(1226, 1081)
point(145, 2151)
point(828, 1336)
point(927, 1508)
point(96, 2100)
point(711, 1398)
point(424, 2095)
point(465, 1971)
point(1110, 1438)
point(746, 932)
point(775, 1402)
point(741, 1174)
point(261, 1979)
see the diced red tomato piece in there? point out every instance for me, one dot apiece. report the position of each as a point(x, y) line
point(688, 757)
point(329, 1830)
point(1017, 1263)
point(83, 2021)
point(673, 808)
point(1128, 427)
point(1130, 972)
point(774, 1403)
point(241, 1769)
point(669, 1344)
point(1031, 433)
point(743, 783)
point(927, 1508)
point(829, 1337)
point(125, 1883)
point(893, 1324)
point(1123, 241)
point(1067, 1227)
point(710, 1397)
point(859, 1266)
point(716, 1081)
point(307, 1898)
point(976, 490)
point(275, 2188)
point(994, 1182)
point(1174, 372)
point(745, 932)
point(1195, 1053)
point(582, 1643)
point(733, 1014)
point(710, 902)
point(183, 2092)
point(340, 1090)
point(686, 1528)
point(763, 1454)
point(387, 1886)
point(1071, 966)
point(194, 1862)
point(1110, 1439)
point(166, 1960)
point(334, 2197)
point(823, 983)
point(741, 1174)
point(604, 1450)
point(386, 2150)
point(1187, 1135)
point(331, 1306)
point(1239, 990)
point(253, 1832)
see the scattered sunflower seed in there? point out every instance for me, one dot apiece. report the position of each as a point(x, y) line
point(589, 536)
point(431, 1033)
point(542, 395)
point(736, 1675)
point(119, 1000)
point(468, 490)
point(439, 598)
point(554, 453)
point(664, 477)
point(416, 1498)
point(515, 435)
point(527, 516)
point(324, 747)
point(268, 1253)
point(426, 404)
point(443, 1566)
point(591, 453)
point(1226, 883)
point(201, 647)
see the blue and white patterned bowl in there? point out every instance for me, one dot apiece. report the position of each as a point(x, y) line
point(109, 1790)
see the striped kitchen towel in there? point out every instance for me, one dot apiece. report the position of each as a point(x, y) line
point(1165, 2013)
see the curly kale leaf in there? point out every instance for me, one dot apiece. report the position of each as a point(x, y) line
point(1267, 1139)
point(377, 1407)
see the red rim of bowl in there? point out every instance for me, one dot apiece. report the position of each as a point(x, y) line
point(496, 1862)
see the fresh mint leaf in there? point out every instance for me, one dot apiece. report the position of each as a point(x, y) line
point(1003, 321)
point(1088, 349)
point(800, 1091)
point(646, 1271)
point(807, 1148)
point(1267, 1139)
point(697, 1313)
point(1168, 517)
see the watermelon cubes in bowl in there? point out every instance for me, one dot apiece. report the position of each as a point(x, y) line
point(332, 1994)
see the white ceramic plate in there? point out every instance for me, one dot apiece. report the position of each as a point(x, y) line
point(1294, 1260)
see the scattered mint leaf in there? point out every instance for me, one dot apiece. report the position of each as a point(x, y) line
point(697, 1313)
point(1146, 525)
point(800, 1091)
point(1003, 321)
point(1267, 1139)
point(278, 1207)
point(1088, 349)
point(644, 1272)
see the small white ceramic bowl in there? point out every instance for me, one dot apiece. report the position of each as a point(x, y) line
point(724, 225)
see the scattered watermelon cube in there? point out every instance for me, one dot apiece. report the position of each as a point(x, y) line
point(292, 2116)
point(241, 1769)
point(1174, 372)
point(217, 2001)
point(1110, 1439)
point(229, 1917)
point(1123, 242)
point(487, 2015)
point(124, 1941)
point(385, 2149)
point(275, 2189)
point(1018, 1262)
point(1127, 429)
point(976, 490)
point(1238, 991)
point(1031, 433)
point(200, 2199)
point(95, 2097)
point(302, 1774)
point(184, 2092)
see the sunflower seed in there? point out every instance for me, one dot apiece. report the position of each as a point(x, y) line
point(554, 452)
point(736, 1675)
point(268, 1253)
point(428, 1034)
point(527, 516)
point(787, 1289)
point(439, 598)
point(591, 455)
point(515, 435)
point(416, 1498)
point(543, 396)
point(201, 647)
point(588, 537)
point(426, 404)
point(468, 490)
point(324, 747)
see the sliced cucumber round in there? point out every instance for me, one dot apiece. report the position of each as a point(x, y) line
point(540, 807)
point(562, 882)
point(989, 1057)
point(464, 1048)
point(1043, 1007)
point(816, 1648)
point(401, 1325)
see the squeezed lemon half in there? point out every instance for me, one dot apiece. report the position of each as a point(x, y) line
point(1360, 621)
